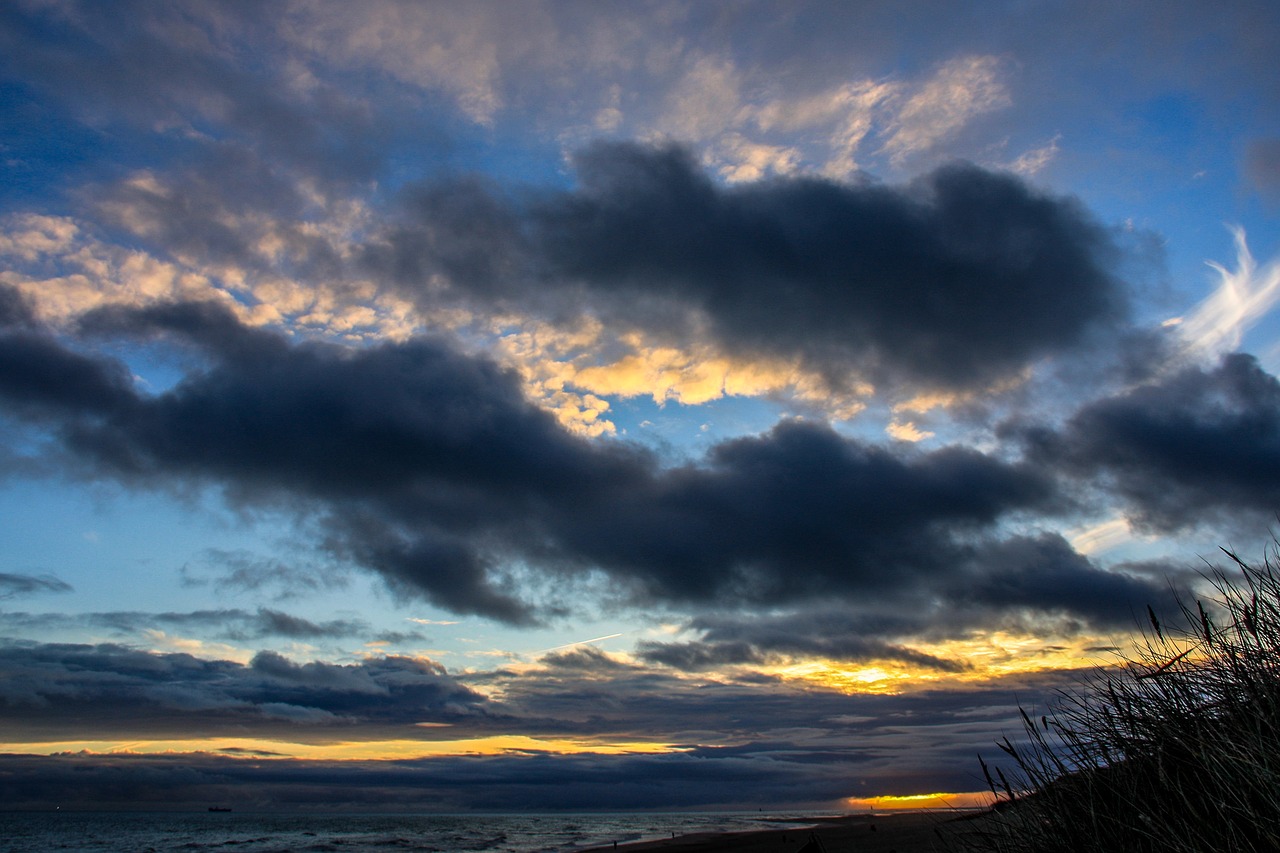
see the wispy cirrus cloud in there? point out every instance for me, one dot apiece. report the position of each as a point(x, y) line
point(1217, 325)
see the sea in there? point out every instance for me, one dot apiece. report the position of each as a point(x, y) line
point(237, 832)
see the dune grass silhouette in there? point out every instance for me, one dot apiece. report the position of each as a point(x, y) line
point(1177, 749)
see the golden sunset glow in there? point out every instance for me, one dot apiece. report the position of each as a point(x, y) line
point(982, 658)
point(889, 678)
point(375, 750)
point(962, 800)
point(565, 371)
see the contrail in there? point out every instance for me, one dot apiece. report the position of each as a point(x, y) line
point(580, 643)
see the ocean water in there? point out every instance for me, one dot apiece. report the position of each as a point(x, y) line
point(41, 832)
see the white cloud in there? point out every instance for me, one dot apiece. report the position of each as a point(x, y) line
point(832, 107)
point(1032, 161)
point(452, 48)
point(64, 272)
point(748, 138)
point(961, 90)
point(1217, 325)
point(705, 102)
point(747, 141)
point(28, 237)
point(862, 102)
point(743, 160)
point(1100, 537)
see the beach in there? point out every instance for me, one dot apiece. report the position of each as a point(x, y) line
point(918, 832)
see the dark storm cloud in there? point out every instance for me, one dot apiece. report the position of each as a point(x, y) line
point(14, 585)
point(415, 447)
point(394, 435)
point(15, 311)
point(961, 278)
point(37, 372)
point(801, 511)
point(1021, 584)
point(40, 375)
point(1196, 447)
point(431, 468)
point(700, 656)
point(1045, 574)
point(114, 691)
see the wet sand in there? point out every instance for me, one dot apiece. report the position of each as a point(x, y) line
point(900, 833)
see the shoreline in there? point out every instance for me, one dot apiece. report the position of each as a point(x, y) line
point(910, 832)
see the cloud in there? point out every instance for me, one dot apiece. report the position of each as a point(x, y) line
point(279, 624)
point(751, 121)
point(184, 70)
point(1198, 446)
point(907, 431)
point(432, 469)
point(1025, 585)
point(1033, 161)
point(753, 161)
point(707, 778)
point(254, 161)
point(230, 624)
point(800, 512)
point(580, 696)
point(15, 585)
point(146, 695)
point(1217, 325)
point(15, 311)
point(849, 111)
point(893, 284)
point(705, 100)
point(38, 375)
point(230, 209)
point(243, 572)
point(776, 649)
point(458, 51)
point(414, 448)
point(960, 90)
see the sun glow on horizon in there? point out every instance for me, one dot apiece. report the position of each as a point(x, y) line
point(374, 750)
point(914, 802)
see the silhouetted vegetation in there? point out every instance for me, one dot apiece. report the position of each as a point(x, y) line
point(1176, 750)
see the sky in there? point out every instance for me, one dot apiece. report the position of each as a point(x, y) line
point(595, 405)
